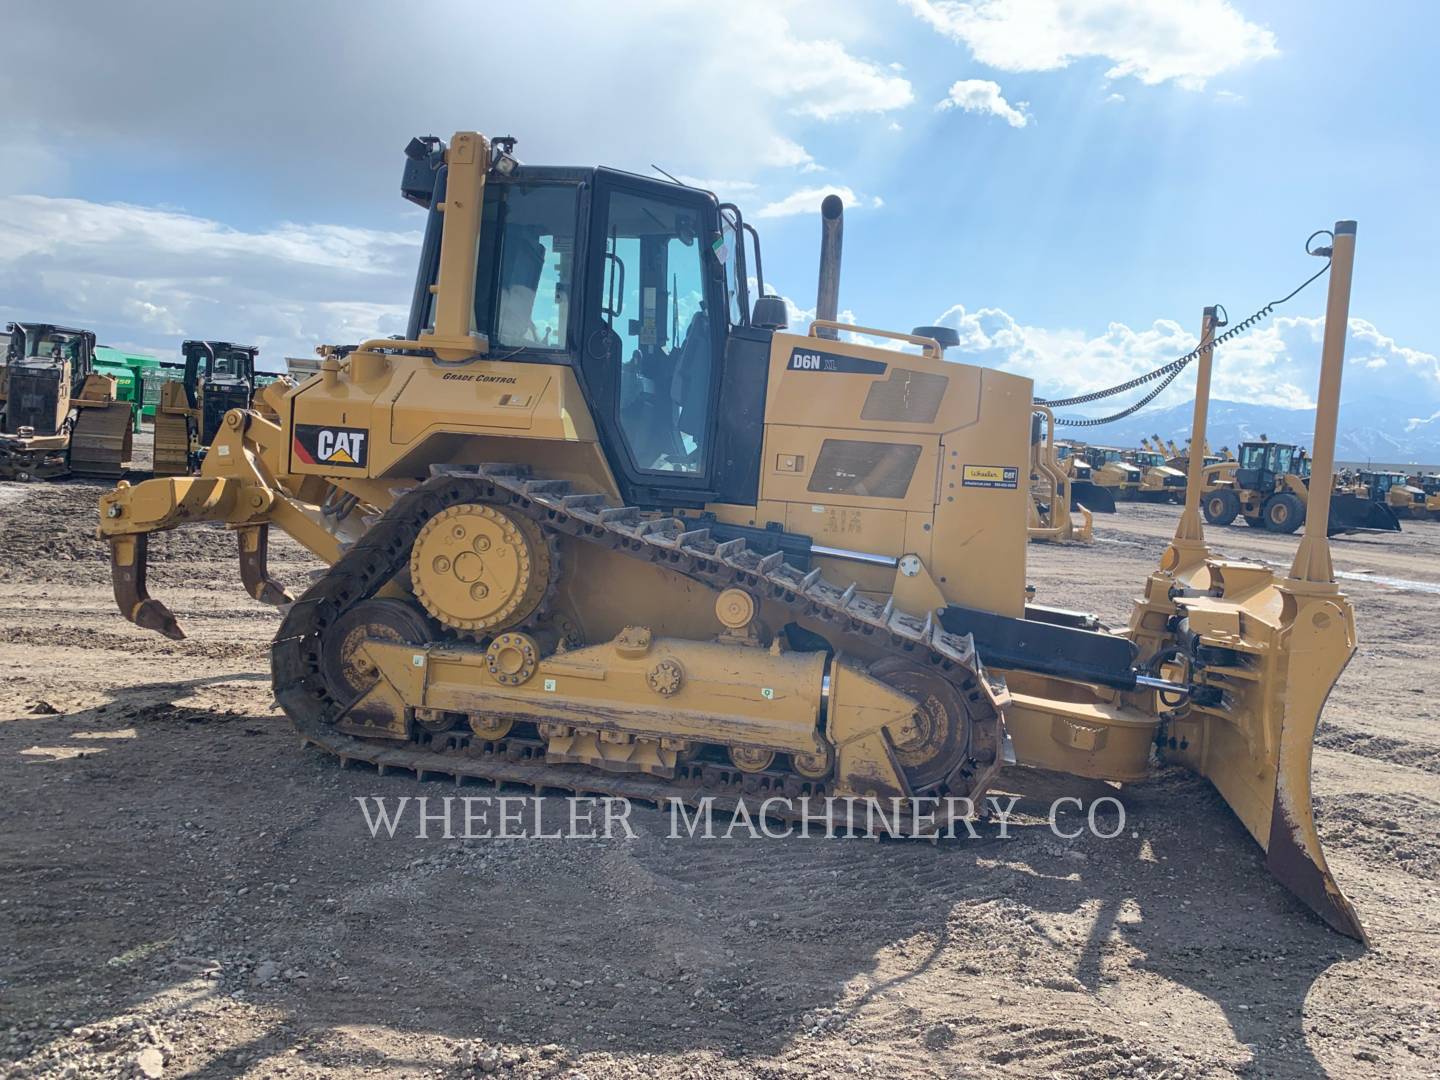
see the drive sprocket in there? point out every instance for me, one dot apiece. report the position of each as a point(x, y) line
point(480, 569)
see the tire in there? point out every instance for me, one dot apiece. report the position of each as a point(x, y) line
point(1255, 521)
point(1284, 513)
point(1221, 507)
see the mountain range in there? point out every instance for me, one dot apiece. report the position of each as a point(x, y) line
point(1370, 429)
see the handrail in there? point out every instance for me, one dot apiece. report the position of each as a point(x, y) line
point(930, 345)
point(1055, 479)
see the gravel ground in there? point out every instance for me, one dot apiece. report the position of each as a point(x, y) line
point(186, 892)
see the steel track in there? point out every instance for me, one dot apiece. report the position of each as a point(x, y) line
point(670, 542)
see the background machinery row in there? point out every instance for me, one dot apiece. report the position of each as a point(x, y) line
point(70, 406)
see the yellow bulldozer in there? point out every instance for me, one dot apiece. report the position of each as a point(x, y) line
point(1109, 469)
point(1085, 493)
point(1429, 483)
point(218, 376)
point(598, 522)
point(58, 415)
point(1395, 492)
point(1160, 481)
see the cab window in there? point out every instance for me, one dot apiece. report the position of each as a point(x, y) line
point(655, 320)
point(525, 265)
point(728, 251)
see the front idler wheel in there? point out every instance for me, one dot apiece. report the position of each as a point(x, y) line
point(936, 736)
point(348, 673)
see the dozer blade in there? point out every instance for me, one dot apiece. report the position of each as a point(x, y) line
point(172, 445)
point(1254, 739)
point(101, 443)
point(1294, 854)
point(1352, 513)
point(129, 554)
point(1096, 499)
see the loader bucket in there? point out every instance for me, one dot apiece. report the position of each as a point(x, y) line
point(1352, 513)
point(1093, 497)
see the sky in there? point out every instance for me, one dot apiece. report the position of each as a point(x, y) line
point(1067, 182)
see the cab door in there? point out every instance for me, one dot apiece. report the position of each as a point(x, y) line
point(652, 347)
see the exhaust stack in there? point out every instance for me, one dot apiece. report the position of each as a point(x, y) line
point(832, 236)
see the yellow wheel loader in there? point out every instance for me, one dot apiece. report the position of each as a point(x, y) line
point(1269, 485)
point(58, 415)
point(218, 376)
point(598, 523)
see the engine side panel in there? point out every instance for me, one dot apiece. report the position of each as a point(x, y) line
point(891, 453)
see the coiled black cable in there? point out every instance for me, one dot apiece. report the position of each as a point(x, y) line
point(1169, 372)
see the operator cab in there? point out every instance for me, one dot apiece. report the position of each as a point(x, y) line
point(640, 285)
point(1263, 463)
point(1381, 483)
point(40, 344)
point(45, 364)
point(219, 376)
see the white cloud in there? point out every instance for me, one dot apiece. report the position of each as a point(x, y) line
point(729, 90)
point(1115, 99)
point(1229, 97)
point(1275, 364)
point(983, 96)
point(1154, 41)
point(149, 277)
point(1417, 422)
point(820, 78)
point(784, 153)
point(1372, 345)
point(807, 201)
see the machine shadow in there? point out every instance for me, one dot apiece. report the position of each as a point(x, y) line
point(646, 944)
